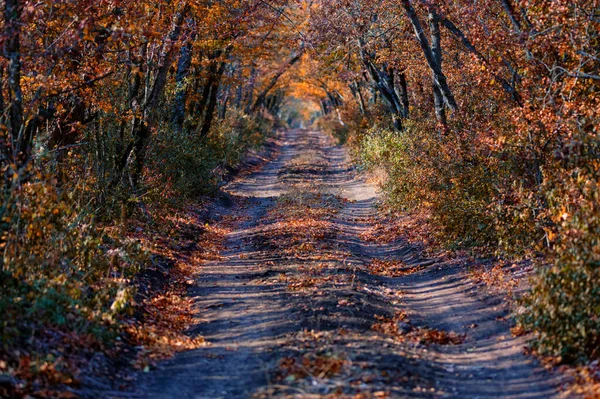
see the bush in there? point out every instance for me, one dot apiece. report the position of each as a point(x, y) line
point(429, 171)
point(489, 198)
point(342, 124)
point(563, 308)
point(59, 269)
point(190, 166)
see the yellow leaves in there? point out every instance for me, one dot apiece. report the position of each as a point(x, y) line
point(122, 300)
point(551, 235)
point(136, 71)
point(87, 34)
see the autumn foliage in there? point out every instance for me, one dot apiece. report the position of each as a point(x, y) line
point(483, 115)
point(113, 114)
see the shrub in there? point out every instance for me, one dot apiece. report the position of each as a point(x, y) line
point(563, 308)
point(429, 171)
point(343, 124)
point(59, 269)
point(190, 165)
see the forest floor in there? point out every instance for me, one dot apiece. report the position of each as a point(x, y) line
point(309, 299)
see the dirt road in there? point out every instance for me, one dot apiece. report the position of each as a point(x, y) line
point(306, 304)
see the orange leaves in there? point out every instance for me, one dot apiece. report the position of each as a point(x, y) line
point(500, 276)
point(310, 364)
point(299, 224)
point(167, 317)
point(382, 232)
point(167, 310)
point(587, 380)
point(391, 326)
point(391, 268)
point(400, 328)
point(313, 360)
point(440, 337)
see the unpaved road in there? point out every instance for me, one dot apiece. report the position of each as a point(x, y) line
point(293, 309)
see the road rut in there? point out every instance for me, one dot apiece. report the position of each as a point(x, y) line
point(294, 308)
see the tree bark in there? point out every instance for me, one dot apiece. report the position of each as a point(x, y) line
point(440, 78)
point(211, 79)
point(141, 127)
point(404, 94)
point(212, 102)
point(166, 61)
point(383, 81)
point(355, 89)
point(19, 143)
point(183, 69)
point(436, 51)
point(508, 8)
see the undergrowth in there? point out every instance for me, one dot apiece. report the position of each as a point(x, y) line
point(507, 201)
point(73, 251)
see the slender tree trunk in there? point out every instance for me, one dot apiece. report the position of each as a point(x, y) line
point(355, 89)
point(404, 94)
point(249, 92)
point(508, 87)
point(436, 51)
point(142, 127)
point(263, 94)
point(508, 8)
point(212, 102)
point(211, 78)
point(4, 147)
point(223, 106)
point(166, 62)
point(19, 143)
point(324, 106)
point(385, 84)
point(383, 80)
point(183, 69)
point(440, 78)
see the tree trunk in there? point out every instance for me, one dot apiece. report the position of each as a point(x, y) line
point(141, 128)
point(508, 8)
point(248, 97)
point(19, 143)
point(4, 147)
point(357, 93)
point(438, 74)
point(165, 62)
point(383, 80)
point(436, 51)
point(263, 94)
point(212, 102)
point(508, 88)
point(404, 94)
point(183, 69)
point(212, 71)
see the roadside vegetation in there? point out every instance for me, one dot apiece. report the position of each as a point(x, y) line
point(117, 118)
point(485, 119)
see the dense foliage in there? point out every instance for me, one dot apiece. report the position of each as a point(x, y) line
point(485, 115)
point(112, 115)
